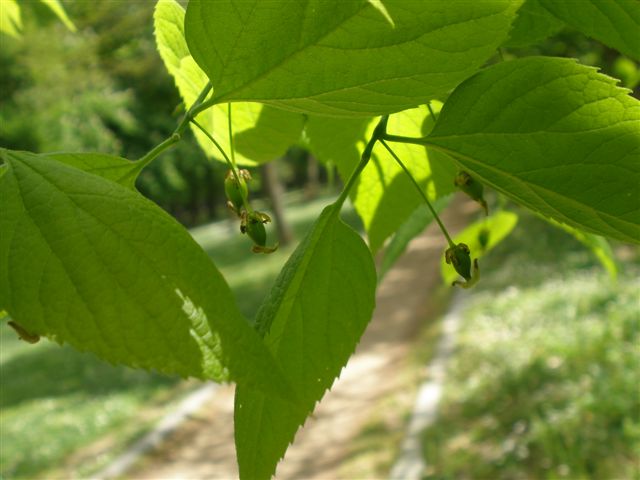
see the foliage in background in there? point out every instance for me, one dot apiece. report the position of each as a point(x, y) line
point(544, 380)
point(554, 135)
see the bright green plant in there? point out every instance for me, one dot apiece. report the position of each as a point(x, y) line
point(87, 260)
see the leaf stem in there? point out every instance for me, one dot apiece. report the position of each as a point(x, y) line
point(378, 134)
point(230, 128)
point(401, 139)
point(232, 166)
point(420, 191)
point(177, 133)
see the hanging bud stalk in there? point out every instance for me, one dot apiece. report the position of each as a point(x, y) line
point(457, 255)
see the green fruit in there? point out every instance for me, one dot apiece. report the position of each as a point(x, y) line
point(236, 189)
point(460, 257)
point(255, 229)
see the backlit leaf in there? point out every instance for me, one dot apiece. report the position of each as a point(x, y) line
point(261, 133)
point(87, 261)
point(312, 320)
point(615, 23)
point(116, 169)
point(533, 23)
point(336, 57)
point(555, 136)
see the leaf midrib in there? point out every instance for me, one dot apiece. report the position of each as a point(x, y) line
point(527, 183)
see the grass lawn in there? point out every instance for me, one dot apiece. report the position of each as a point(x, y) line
point(68, 413)
point(545, 380)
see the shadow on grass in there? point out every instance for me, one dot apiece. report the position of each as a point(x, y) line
point(46, 371)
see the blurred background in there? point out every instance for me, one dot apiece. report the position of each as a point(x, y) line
point(544, 381)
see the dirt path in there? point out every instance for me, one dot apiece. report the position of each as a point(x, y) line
point(378, 383)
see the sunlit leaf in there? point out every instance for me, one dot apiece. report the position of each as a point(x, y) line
point(337, 57)
point(261, 133)
point(615, 23)
point(87, 261)
point(555, 136)
point(312, 320)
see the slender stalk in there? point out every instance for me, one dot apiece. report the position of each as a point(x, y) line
point(400, 139)
point(194, 109)
point(175, 137)
point(421, 192)
point(377, 135)
point(157, 150)
point(217, 145)
point(226, 157)
point(230, 128)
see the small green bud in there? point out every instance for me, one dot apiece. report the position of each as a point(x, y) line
point(253, 225)
point(471, 187)
point(459, 256)
point(236, 189)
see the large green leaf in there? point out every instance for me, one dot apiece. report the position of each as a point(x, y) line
point(261, 133)
point(481, 237)
point(555, 136)
point(614, 22)
point(313, 318)
point(87, 261)
point(116, 169)
point(534, 23)
point(337, 57)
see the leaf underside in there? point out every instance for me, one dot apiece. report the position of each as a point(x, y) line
point(260, 133)
point(555, 136)
point(336, 57)
point(87, 261)
point(312, 320)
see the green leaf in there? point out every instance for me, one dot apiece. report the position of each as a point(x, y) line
point(336, 140)
point(615, 23)
point(556, 136)
point(116, 169)
point(413, 226)
point(10, 18)
point(313, 318)
point(58, 10)
point(498, 226)
point(261, 133)
point(533, 23)
point(598, 246)
point(87, 261)
point(336, 57)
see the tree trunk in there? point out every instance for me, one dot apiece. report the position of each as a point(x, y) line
point(275, 191)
